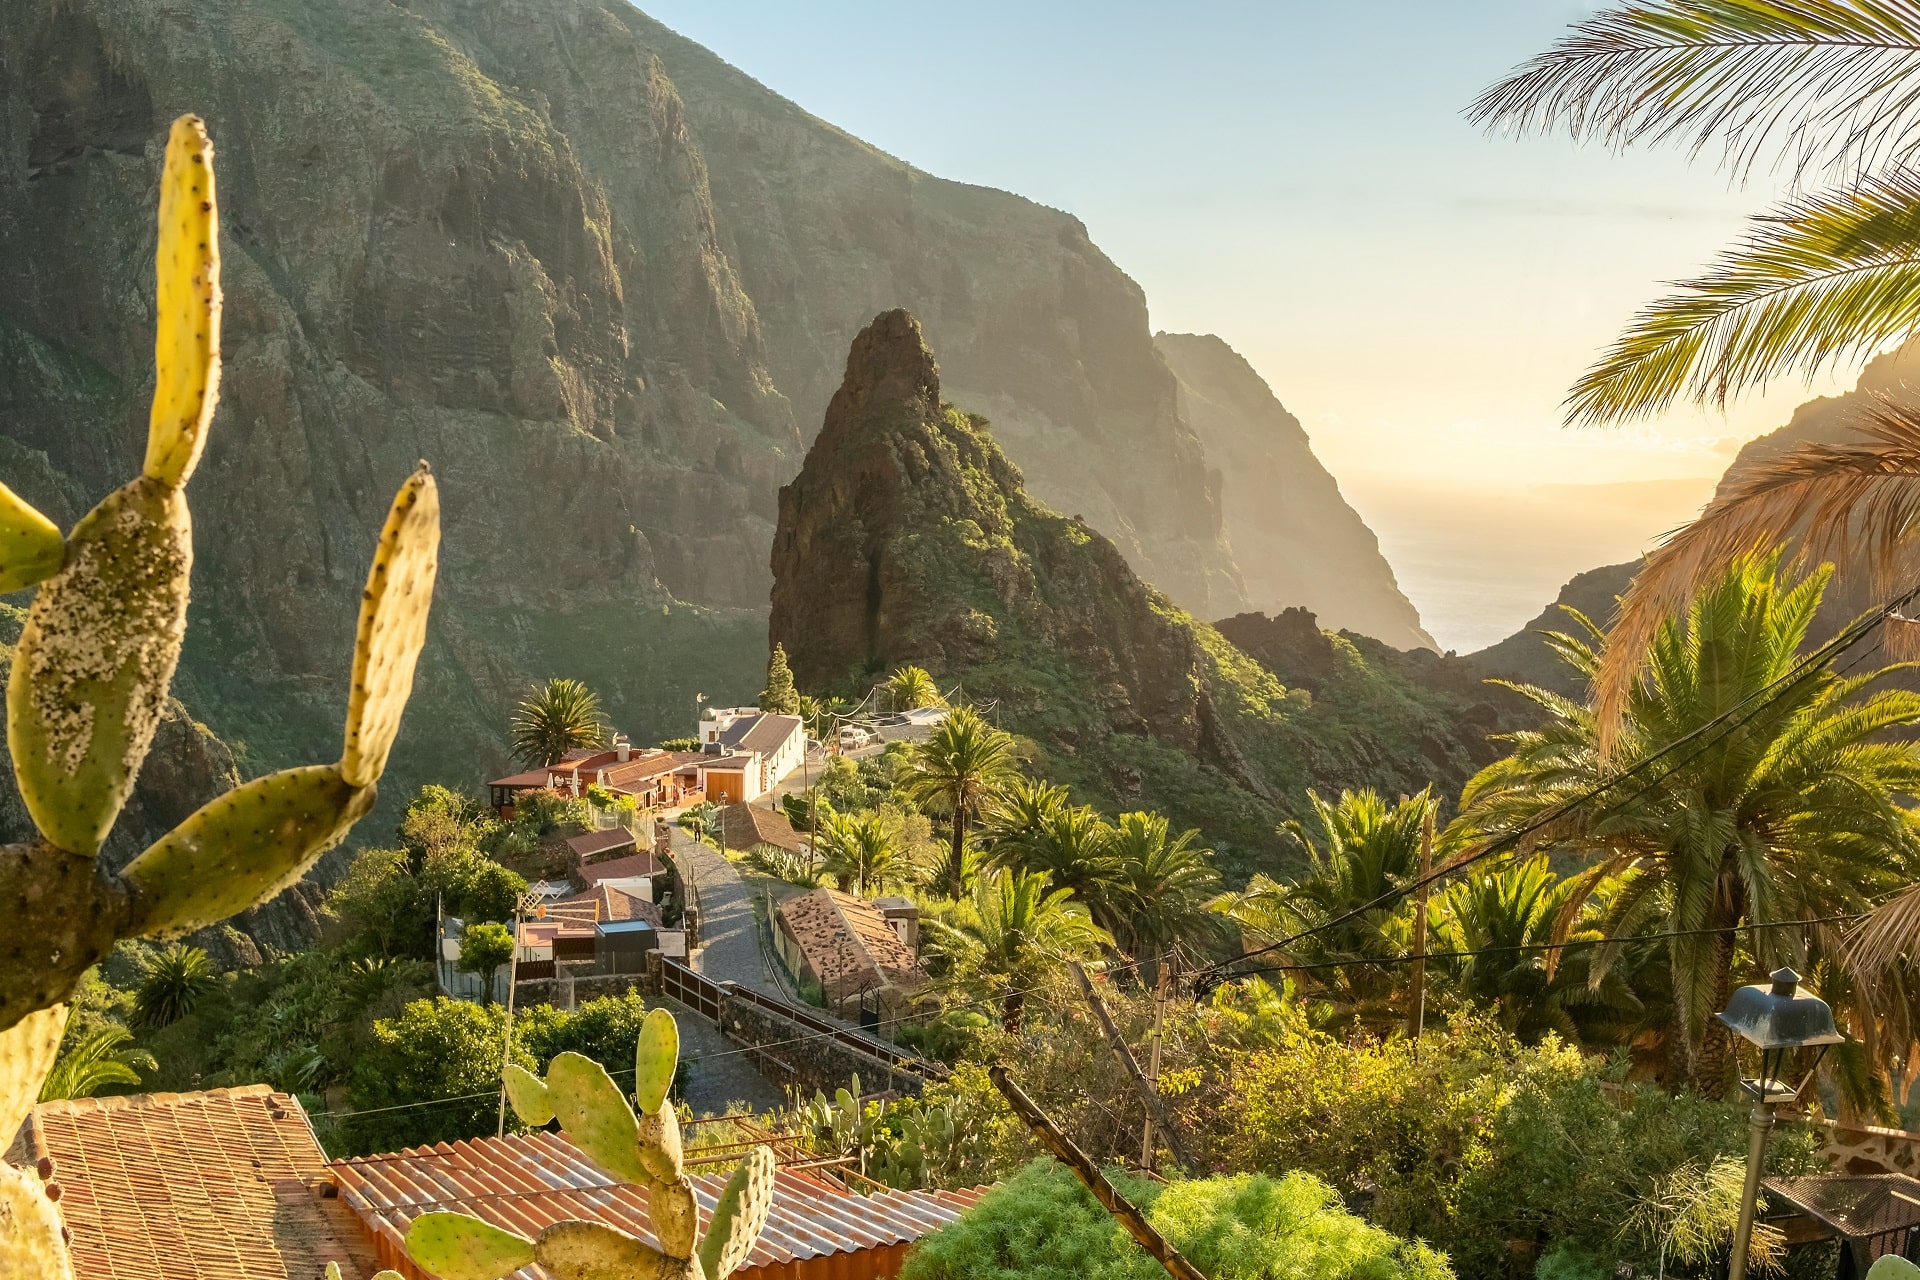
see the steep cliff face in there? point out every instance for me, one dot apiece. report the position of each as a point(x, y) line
point(581, 265)
point(1297, 542)
point(908, 537)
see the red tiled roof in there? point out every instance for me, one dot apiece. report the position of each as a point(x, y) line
point(531, 778)
point(594, 843)
point(847, 943)
point(604, 902)
point(220, 1185)
point(743, 826)
point(527, 1182)
point(644, 863)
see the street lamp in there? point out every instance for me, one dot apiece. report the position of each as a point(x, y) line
point(1777, 1019)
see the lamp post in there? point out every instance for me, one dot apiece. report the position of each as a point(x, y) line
point(1776, 1019)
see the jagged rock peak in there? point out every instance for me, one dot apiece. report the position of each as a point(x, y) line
point(891, 375)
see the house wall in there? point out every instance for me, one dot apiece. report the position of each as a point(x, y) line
point(727, 788)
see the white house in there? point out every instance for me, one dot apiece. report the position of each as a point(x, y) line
point(779, 742)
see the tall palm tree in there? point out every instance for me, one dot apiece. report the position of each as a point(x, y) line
point(1827, 85)
point(93, 1061)
point(1018, 928)
point(174, 982)
point(1161, 885)
point(1072, 845)
point(860, 850)
point(911, 688)
point(555, 718)
point(1016, 820)
point(955, 772)
point(1776, 800)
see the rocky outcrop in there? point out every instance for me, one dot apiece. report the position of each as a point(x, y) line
point(1525, 655)
point(1297, 542)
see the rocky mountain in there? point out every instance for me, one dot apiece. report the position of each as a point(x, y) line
point(599, 278)
point(909, 537)
point(1299, 543)
point(1525, 655)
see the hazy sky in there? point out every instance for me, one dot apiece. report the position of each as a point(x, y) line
point(1298, 178)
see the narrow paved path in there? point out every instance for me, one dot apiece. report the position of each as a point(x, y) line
point(729, 945)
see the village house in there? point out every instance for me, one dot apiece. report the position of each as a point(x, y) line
point(778, 742)
point(854, 951)
point(749, 826)
point(653, 778)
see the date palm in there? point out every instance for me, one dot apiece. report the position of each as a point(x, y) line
point(1776, 800)
point(1829, 86)
point(1157, 896)
point(911, 688)
point(174, 982)
point(1016, 929)
point(94, 1060)
point(555, 718)
point(956, 772)
point(1035, 828)
point(860, 850)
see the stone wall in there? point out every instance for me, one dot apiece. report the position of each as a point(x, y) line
point(554, 991)
point(1868, 1148)
point(798, 1057)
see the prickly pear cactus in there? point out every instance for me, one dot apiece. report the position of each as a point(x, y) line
point(643, 1149)
point(89, 682)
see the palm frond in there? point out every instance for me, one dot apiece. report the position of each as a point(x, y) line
point(1816, 83)
point(1848, 504)
point(1824, 278)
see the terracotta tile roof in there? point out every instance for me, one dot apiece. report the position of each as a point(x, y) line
point(652, 765)
point(815, 1231)
point(592, 844)
point(221, 1185)
point(604, 902)
point(847, 943)
point(531, 778)
point(746, 825)
point(643, 863)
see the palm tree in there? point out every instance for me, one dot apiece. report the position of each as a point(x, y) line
point(1160, 888)
point(1785, 810)
point(93, 1061)
point(174, 982)
point(1018, 928)
point(1832, 275)
point(1017, 818)
point(556, 718)
point(961, 766)
point(1034, 828)
point(911, 688)
point(860, 849)
point(821, 715)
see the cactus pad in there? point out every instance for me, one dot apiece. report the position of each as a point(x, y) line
point(655, 1059)
point(30, 1226)
point(595, 1115)
point(528, 1093)
point(186, 339)
point(242, 848)
point(457, 1246)
point(31, 548)
point(674, 1215)
point(393, 626)
point(658, 1133)
point(78, 909)
point(594, 1251)
point(27, 1051)
point(90, 674)
point(740, 1215)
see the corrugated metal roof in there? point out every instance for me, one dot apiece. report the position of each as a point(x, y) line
point(527, 1182)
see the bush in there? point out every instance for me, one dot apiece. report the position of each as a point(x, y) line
point(1044, 1225)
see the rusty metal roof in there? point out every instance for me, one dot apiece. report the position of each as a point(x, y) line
point(526, 1182)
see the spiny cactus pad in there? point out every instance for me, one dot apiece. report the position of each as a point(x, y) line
point(27, 1051)
point(655, 1059)
point(675, 1216)
point(595, 1115)
point(740, 1215)
point(241, 848)
point(528, 1093)
point(658, 1133)
point(30, 1242)
point(594, 1251)
point(90, 673)
point(78, 910)
point(186, 340)
point(31, 548)
point(393, 626)
point(458, 1246)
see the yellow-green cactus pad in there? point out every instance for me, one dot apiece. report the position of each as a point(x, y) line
point(1892, 1266)
point(674, 1216)
point(90, 674)
point(528, 1093)
point(27, 1051)
point(30, 1243)
point(655, 1059)
point(186, 339)
point(457, 1246)
point(241, 848)
point(593, 1251)
point(595, 1115)
point(31, 547)
point(658, 1133)
point(740, 1215)
point(393, 626)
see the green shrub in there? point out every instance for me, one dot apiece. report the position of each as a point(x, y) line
point(1570, 1263)
point(1044, 1225)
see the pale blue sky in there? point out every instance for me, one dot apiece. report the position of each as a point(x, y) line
point(1299, 179)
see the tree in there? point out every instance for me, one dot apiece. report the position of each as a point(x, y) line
point(779, 697)
point(1831, 275)
point(1774, 799)
point(1158, 895)
point(822, 715)
point(484, 948)
point(1072, 845)
point(911, 688)
point(955, 772)
point(94, 1060)
point(447, 1052)
point(556, 718)
point(174, 982)
point(1018, 928)
point(860, 850)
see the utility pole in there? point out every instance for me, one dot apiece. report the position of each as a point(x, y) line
point(1160, 985)
point(1417, 999)
point(1149, 1094)
point(527, 902)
